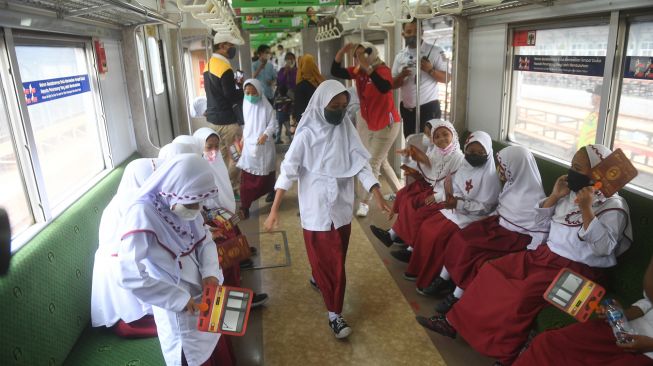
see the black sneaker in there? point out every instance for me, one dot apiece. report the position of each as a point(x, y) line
point(437, 323)
point(340, 328)
point(270, 197)
point(259, 300)
point(314, 285)
point(253, 250)
point(410, 277)
point(445, 305)
point(439, 287)
point(402, 255)
point(247, 263)
point(382, 235)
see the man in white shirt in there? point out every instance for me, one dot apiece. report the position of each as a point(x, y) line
point(433, 64)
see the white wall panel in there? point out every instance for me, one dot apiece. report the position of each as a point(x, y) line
point(487, 49)
point(116, 105)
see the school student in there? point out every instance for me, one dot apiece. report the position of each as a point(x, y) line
point(587, 232)
point(258, 158)
point(593, 343)
point(510, 229)
point(475, 195)
point(111, 305)
point(424, 197)
point(209, 141)
point(167, 256)
point(325, 156)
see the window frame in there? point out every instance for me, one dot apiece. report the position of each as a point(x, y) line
point(619, 22)
point(23, 134)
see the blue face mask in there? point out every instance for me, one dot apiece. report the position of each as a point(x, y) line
point(253, 98)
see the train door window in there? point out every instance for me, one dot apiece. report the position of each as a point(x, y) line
point(556, 86)
point(143, 64)
point(59, 93)
point(634, 128)
point(14, 197)
point(155, 65)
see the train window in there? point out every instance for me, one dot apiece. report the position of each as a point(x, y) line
point(14, 197)
point(634, 128)
point(142, 64)
point(556, 85)
point(155, 65)
point(62, 111)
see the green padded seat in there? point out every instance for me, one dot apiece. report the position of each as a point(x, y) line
point(101, 347)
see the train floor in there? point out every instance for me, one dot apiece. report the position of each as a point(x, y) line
point(380, 306)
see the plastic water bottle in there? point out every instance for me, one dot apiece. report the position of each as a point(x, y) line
point(235, 154)
point(620, 326)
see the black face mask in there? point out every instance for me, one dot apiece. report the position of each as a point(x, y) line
point(577, 181)
point(334, 116)
point(231, 53)
point(411, 41)
point(475, 160)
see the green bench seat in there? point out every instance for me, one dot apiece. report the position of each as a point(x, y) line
point(45, 297)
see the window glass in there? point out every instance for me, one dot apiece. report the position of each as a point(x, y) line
point(556, 86)
point(155, 65)
point(57, 89)
point(634, 130)
point(142, 65)
point(13, 198)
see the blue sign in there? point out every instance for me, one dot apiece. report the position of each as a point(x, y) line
point(570, 65)
point(40, 91)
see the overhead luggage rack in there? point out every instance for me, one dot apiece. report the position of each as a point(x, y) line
point(112, 12)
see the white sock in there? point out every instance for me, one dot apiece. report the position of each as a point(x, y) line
point(332, 316)
point(392, 233)
point(445, 274)
point(410, 249)
point(458, 292)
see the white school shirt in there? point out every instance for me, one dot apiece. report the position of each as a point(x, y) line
point(150, 272)
point(595, 246)
point(644, 324)
point(323, 200)
point(428, 87)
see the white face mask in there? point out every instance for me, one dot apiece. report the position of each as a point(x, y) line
point(184, 213)
point(210, 155)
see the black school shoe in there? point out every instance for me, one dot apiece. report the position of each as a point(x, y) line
point(270, 197)
point(402, 255)
point(445, 305)
point(439, 287)
point(339, 327)
point(314, 285)
point(247, 263)
point(437, 323)
point(382, 235)
point(410, 277)
point(259, 299)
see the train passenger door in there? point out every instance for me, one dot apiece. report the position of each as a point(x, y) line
point(157, 102)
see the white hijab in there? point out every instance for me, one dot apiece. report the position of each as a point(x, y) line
point(442, 163)
point(334, 151)
point(176, 148)
point(184, 179)
point(189, 140)
point(522, 190)
point(480, 184)
point(226, 197)
point(568, 213)
point(256, 115)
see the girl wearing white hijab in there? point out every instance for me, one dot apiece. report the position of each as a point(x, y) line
point(476, 189)
point(258, 158)
point(512, 227)
point(587, 232)
point(111, 304)
point(424, 197)
point(167, 256)
point(325, 156)
point(209, 141)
